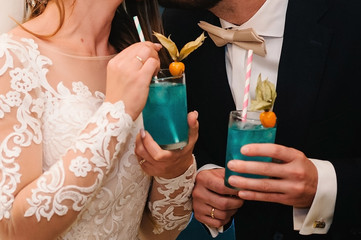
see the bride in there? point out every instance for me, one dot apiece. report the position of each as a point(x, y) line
point(73, 82)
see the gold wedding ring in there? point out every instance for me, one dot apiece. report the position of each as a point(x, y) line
point(141, 162)
point(212, 213)
point(140, 59)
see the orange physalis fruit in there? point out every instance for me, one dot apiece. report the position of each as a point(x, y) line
point(176, 68)
point(268, 119)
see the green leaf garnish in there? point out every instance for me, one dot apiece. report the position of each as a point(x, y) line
point(265, 95)
point(173, 50)
point(190, 47)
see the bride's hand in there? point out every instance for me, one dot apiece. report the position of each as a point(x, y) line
point(129, 74)
point(164, 163)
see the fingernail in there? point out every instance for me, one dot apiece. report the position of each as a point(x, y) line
point(244, 149)
point(232, 180)
point(158, 45)
point(196, 113)
point(231, 164)
point(142, 133)
point(242, 194)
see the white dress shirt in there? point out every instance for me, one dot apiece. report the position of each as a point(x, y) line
point(269, 23)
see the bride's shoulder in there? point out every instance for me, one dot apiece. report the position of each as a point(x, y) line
point(16, 36)
point(17, 48)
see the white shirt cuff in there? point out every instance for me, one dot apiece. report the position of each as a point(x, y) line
point(214, 231)
point(318, 218)
point(208, 166)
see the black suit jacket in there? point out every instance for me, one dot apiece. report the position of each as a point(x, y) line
point(318, 105)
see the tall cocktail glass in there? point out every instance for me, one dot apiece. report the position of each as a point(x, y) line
point(244, 132)
point(165, 113)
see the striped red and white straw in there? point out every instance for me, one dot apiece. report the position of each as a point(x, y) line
point(247, 84)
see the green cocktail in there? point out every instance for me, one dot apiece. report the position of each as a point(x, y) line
point(244, 132)
point(165, 113)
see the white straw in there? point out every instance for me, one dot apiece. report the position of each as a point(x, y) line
point(141, 35)
point(139, 29)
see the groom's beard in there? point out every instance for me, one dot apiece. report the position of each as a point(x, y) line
point(189, 4)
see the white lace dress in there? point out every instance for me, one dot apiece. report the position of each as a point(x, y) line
point(59, 145)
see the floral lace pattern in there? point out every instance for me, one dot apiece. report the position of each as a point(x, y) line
point(108, 189)
point(165, 219)
point(80, 166)
point(23, 80)
point(56, 192)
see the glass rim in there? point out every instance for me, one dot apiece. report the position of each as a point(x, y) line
point(167, 76)
point(253, 117)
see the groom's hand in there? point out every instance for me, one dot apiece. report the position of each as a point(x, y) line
point(210, 193)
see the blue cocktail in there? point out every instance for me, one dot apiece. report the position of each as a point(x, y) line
point(165, 113)
point(244, 132)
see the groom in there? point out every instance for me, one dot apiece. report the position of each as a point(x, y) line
point(313, 57)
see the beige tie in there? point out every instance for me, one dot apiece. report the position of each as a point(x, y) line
point(245, 38)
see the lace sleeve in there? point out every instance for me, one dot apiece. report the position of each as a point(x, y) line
point(169, 207)
point(36, 204)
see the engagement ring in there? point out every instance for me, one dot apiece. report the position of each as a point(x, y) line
point(140, 59)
